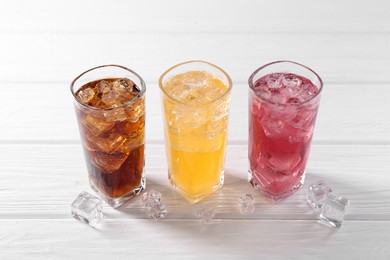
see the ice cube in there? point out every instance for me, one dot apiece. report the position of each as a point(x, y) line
point(108, 162)
point(206, 214)
point(119, 86)
point(308, 91)
point(133, 141)
point(152, 202)
point(292, 82)
point(157, 210)
point(125, 84)
point(195, 79)
point(317, 194)
point(97, 126)
point(272, 127)
point(109, 144)
point(215, 128)
point(151, 197)
point(177, 89)
point(136, 110)
point(246, 204)
point(103, 86)
point(195, 87)
point(284, 163)
point(116, 114)
point(86, 95)
point(87, 208)
point(214, 89)
point(111, 98)
point(304, 119)
point(275, 84)
point(274, 81)
point(264, 93)
point(120, 91)
point(283, 113)
point(191, 118)
point(333, 210)
point(274, 121)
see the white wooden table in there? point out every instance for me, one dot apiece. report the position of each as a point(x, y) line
point(45, 44)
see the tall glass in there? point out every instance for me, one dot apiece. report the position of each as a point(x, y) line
point(284, 97)
point(196, 98)
point(110, 106)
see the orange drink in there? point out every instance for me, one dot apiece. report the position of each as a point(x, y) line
point(196, 98)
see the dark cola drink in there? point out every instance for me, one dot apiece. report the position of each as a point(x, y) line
point(110, 113)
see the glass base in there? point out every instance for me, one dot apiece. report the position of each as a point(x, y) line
point(116, 202)
point(276, 197)
point(198, 197)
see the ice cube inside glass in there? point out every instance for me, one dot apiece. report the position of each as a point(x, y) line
point(109, 104)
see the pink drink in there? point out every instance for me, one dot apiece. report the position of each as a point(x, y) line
point(282, 113)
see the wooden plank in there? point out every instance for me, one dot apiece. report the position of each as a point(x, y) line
point(44, 112)
point(54, 57)
point(190, 239)
point(177, 16)
point(40, 181)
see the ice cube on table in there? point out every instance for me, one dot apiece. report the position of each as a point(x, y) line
point(87, 208)
point(206, 214)
point(157, 210)
point(333, 210)
point(317, 194)
point(151, 197)
point(246, 204)
point(155, 207)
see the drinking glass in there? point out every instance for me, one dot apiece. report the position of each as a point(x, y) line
point(195, 100)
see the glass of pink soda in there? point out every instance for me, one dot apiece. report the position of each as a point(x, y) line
point(284, 97)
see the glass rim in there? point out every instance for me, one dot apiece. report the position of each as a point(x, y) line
point(230, 84)
point(135, 98)
point(251, 83)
